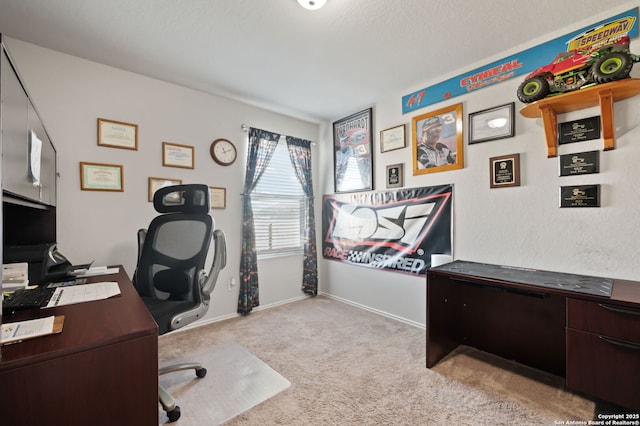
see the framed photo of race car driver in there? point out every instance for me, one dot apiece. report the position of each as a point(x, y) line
point(437, 140)
point(352, 155)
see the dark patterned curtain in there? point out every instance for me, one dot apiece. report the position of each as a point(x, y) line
point(262, 144)
point(300, 154)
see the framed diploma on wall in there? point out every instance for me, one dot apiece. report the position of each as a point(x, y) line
point(177, 155)
point(218, 197)
point(393, 138)
point(117, 134)
point(101, 177)
point(156, 183)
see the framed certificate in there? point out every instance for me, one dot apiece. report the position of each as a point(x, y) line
point(176, 155)
point(101, 177)
point(117, 134)
point(218, 197)
point(393, 138)
point(156, 183)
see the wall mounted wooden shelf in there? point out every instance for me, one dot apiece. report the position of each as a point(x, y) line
point(602, 94)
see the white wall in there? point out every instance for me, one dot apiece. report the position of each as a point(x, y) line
point(518, 226)
point(70, 94)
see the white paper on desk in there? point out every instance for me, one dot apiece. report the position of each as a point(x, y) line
point(97, 270)
point(21, 330)
point(68, 295)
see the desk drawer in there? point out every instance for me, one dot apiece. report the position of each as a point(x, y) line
point(603, 367)
point(605, 319)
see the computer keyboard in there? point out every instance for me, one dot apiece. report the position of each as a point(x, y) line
point(27, 298)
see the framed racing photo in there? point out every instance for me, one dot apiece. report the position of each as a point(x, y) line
point(438, 140)
point(352, 155)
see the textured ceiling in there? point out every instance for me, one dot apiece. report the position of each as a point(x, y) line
point(316, 65)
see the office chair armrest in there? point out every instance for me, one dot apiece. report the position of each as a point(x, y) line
point(142, 235)
point(218, 264)
point(207, 283)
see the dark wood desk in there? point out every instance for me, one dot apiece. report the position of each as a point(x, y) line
point(101, 370)
point(592, 340)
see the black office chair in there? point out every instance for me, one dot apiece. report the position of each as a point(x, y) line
point(170, 275)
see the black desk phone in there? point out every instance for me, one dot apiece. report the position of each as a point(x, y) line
point(46, 263)
point(55, 264)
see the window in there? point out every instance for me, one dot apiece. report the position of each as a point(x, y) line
point(278, 207)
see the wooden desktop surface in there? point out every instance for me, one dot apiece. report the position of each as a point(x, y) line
point(101, 369)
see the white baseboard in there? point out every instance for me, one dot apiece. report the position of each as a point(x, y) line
point(235, 315)
point(296, 299)
point(375, 311)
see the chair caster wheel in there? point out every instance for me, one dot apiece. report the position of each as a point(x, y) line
point(201, 372)
point(174, 414)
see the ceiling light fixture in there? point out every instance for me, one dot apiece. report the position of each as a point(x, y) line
point(312, 4)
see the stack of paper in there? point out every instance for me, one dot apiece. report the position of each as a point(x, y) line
point(14, 276)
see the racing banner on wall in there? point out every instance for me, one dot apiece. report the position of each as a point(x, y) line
point(393, 230)
point(523, 62)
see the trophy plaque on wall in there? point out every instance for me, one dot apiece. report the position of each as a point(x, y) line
point(579, 130)
point(582, 163)
point(505, 171)
point(580, 196)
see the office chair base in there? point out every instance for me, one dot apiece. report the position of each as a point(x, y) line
point(199, 369)
point(174, 414)
point(165, 398)
point(168, 404)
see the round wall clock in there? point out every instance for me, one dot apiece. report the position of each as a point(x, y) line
point(223, 152)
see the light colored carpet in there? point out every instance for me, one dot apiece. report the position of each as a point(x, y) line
point(515, 383)
point(238, 381)
point(348, 366)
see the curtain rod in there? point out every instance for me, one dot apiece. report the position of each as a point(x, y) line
point(245, 129)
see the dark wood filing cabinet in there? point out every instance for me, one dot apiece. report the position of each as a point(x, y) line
point(564, 324)
point(603, 351)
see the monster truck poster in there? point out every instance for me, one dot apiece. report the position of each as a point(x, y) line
point(524, 62)
point(393, 230)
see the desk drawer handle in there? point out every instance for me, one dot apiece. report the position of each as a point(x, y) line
point(476, 284)
point(497, 287)
point(622, 343)
point(536, 294)
point(619, 309)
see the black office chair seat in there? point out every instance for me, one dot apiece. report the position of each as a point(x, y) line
point(163, 311)
point(170, 275)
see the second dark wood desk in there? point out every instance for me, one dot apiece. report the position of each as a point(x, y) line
point(101, 370)
point(592, 340)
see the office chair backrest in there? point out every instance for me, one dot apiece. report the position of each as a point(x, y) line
point(175, 247)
